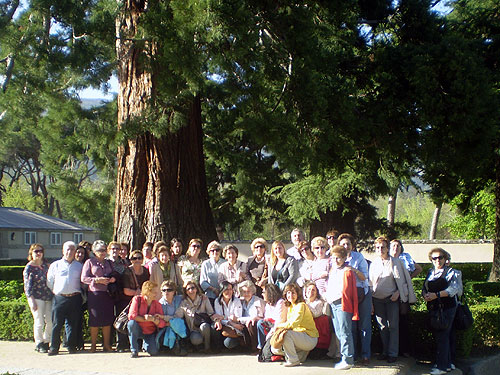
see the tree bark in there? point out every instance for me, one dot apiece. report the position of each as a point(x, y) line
point(391, 208)
point(495, 266)
point(435, 221)
point(161, 189)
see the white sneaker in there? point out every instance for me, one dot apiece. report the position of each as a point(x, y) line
point(452, 366)
point(342, 365)
point(436, 371)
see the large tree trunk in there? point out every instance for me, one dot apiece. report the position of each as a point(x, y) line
point(495, 267)
point(161, 187)
point(435, 221)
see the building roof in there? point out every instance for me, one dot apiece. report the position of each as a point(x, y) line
point(17, 218)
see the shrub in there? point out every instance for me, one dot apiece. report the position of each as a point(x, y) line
point(16, 321)
point(11, 290)
point(470, 271)
point(11, 272)
point(482, 288)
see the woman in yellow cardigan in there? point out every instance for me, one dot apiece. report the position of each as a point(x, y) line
point(301, 336)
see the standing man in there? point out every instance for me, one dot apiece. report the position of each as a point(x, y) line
point(63, 278)
point(296, 237)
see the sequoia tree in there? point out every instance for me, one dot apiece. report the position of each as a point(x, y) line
point(161, 184)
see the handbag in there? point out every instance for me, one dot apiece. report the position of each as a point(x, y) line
point(463, 316)
point(200, 318)
point(438, 319)
point(121, 321)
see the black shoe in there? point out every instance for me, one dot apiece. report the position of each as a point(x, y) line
point(382, 357)
point(392, 359)
point(53, 352)
point(72, 350)
point(134, 355)
point(43, 347)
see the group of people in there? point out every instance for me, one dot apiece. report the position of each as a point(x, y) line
point(316, 298)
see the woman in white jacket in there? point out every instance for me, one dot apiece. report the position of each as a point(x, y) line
point(391, 284)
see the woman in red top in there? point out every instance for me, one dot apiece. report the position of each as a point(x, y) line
point(143, 320)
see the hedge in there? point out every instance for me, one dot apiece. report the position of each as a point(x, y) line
point(11, 272)
point(470, 271)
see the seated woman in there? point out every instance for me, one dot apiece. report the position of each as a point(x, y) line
point(257, 265)
point(274, 314)
point(322, 318)
point(209, 278)
point(283, 269)
point(144, 321)
point(175, 327)
point(190, 264)
point(301, 334)
point(197, 312)
point(234, 270)
point(229, 310)
point(253, 309)
point(165, 269)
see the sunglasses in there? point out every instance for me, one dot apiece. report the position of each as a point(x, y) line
point(198, 246)
point(38, 251)
point(330, 237)
point(214, 250)
point(136, 258)
point(191, 288)
point(167, 290)
point(260, 247)
point(304, 248)
point(439, 257)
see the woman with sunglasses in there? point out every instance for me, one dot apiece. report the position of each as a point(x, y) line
point(135, 275)
point(171, 335)
point(441, 287)
point(209, 278)
point(190, 264)
point(198, 313)
point(39, 296)
point(257, 265)
point(306, 263)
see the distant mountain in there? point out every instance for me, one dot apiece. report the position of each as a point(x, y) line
point(90, 103)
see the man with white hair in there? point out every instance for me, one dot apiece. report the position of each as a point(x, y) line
point(296, 236)
point(63, 278)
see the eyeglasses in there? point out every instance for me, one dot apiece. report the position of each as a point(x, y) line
point(38, 251)
point(259, 246)
point(167, 290)
point(136, 258)
point(438, 258)
point(319, 247)
point(197, 246)
point(100, 250)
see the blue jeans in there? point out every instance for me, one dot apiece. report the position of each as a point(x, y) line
point(362, 328)
point(261, 328)
point(65, 309)
point(387, 315)
point(135, 333)
point(342, 322)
